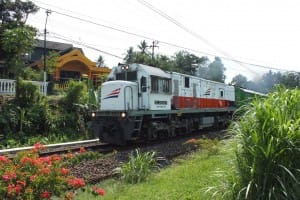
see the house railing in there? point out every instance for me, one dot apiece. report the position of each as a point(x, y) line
point(8, 86)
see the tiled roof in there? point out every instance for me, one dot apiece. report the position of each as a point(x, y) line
point(53, 45)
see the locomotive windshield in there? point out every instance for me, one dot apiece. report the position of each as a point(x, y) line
point(127, 76)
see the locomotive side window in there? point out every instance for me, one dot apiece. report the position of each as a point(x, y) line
point(186, 82)
point(221, 93)
point(143, 84)
point(160, 85)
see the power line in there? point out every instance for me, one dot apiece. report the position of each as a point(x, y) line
point(163, 42)
point(84, 45)
point(186, 29)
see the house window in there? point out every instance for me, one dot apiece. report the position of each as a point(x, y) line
point(66, 75)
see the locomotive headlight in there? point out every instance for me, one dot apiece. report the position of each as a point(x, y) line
point(123, 114)
point(125, 67)
point(93, 114)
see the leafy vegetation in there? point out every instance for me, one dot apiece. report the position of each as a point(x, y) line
point(83, 156)
point(30, 117)
point(268, 147)
point(139, 166)
point(16, 38)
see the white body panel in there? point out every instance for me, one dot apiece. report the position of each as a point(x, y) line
point(160, 101)
point(141, 87)
point(119, 95)
point(201, 88)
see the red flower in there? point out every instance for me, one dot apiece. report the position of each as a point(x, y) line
point(82, 150)
point(36, 162)
point(4, 159)
point(25, 160)
point(6, 177)
point(13, 175)
point(45, 170)
point(37, 147)
point(18, 189)
point(10, 188)
point(64, 171)
point(76, 183)
point(9, 176)
point(45, 195)
point(32, 178)
point(46, 160)
point(22, 183)
point(55, 157)
point(99, 191)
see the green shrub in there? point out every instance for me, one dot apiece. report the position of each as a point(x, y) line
point(76, 93)
point(268, 148)
point(25, 114)
point(139, 166)
point(27, 93)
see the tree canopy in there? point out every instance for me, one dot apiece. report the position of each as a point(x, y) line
point(182, 62)
point(16, 38)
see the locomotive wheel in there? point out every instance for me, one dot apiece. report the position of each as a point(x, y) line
point(152, 134)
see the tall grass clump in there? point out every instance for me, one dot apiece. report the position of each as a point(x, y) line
point(268, 147)
point(138, 167)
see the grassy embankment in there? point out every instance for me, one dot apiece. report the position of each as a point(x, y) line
point(187, 178)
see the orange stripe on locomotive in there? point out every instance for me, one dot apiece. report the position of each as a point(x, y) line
point(192, 102)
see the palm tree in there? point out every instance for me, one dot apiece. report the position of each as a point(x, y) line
point(130, 56)
point(100, 61)
point(143, 47)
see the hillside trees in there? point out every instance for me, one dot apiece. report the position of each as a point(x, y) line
point(266, 83)
point(182, 62)
point(16, 38)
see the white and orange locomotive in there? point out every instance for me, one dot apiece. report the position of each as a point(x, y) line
point(140, 102)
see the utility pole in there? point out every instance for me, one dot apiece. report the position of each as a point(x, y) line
point(48, 12)
point(154, 44)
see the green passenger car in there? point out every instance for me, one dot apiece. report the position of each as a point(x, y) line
point(244, 96)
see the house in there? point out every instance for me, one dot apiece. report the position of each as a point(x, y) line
point(71, 63)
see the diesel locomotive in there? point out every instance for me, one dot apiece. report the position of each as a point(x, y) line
point(140, 102)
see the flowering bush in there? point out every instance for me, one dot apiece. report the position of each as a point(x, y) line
point(98, 191)
point(29, 176)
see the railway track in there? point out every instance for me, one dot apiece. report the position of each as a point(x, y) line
point(96, 145)
point(95, 170)
point(61, 148)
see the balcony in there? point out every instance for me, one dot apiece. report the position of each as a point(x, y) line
point(8, 87)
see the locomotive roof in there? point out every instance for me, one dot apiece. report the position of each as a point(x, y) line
point(153, 71)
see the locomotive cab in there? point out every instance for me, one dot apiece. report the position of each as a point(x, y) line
point(150, 88)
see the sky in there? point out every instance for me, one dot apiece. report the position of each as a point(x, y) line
point(250, 36)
